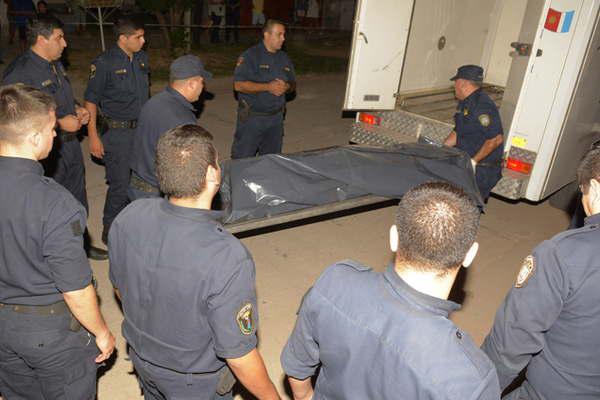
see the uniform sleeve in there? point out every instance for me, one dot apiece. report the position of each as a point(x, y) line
point(231, 309)
point(245, 69)
point(300, 356)
point(96, 82)
point(114, 254)
point(63, 246)
point(292, 72)
point(526, 314)
point(489, 388)
point(489, 121)
point(11, 76)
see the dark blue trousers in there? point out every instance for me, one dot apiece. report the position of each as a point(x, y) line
point(258, 135)
point(117, 152)
point(163, 384)
point(65, 166)
point(41, 359)
point(486, 178)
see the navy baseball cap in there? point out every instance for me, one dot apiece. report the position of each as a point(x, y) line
point(186, 67)
point(469, 72)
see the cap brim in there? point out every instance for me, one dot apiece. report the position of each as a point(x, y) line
point(455, 77)
point(206, 75)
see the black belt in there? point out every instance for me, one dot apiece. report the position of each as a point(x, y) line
point(115, 124)
point(50, 309)
point(68, 137)
point(490, 164)
point(142, 185)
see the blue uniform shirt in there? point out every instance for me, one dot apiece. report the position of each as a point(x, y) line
point(41, 236)
point(166, 110)
point(476, 121)
point(50, 77)
point(259, 65)
point(117, 85)
point(551, 321)
point(187, 287)
point(375, 337)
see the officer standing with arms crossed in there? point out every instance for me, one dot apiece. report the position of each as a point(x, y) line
point(117, 88)
point(40, 67)
point(189, 275)
point(166, 110)
point(388, 336)
point(477, 128)
point(550, 321)
point(263, 75)
point(45, 280)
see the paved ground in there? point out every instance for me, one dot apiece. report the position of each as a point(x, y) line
point(289, 261)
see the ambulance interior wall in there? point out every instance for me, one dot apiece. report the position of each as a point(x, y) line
point(476, 32)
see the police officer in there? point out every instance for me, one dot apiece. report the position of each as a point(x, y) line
point(46, 287)
point(263, 75)
point(117, 89)
point(477, 128)
point(168, 109)
point(40, 67)
point(388, 336)
point(549, 321)
point(189, 275)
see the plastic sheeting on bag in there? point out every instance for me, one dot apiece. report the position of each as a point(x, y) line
point(277, 183)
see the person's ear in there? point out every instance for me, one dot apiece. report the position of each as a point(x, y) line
point(470, 256)
point(34, 138)
point(213, 176)
point(393, 238)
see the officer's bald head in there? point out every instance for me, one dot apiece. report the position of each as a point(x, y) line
point(183, 157)
point(437, 223)
point(23, 110)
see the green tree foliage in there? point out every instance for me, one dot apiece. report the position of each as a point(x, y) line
point(169, 14)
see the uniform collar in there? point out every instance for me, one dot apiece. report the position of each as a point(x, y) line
point(191, 213)
point(403, 289)
point(592, 220)
point(121, 53)
point(263, 48)
point(18, 164)
point(472, 98)
point(179, 97)
point(38, 59)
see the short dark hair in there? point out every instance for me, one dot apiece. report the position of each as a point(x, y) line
point(270, 24)
point(127, 25)
point(589, 168)
point(22, 109)
point(183, 155)
point(43, 26)
point(437, 224)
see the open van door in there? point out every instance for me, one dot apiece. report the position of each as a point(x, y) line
point(378, 46)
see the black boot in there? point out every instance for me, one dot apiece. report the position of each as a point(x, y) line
point(93, 253)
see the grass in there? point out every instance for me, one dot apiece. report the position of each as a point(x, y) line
point(309, 55)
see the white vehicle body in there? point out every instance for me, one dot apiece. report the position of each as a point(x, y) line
point(405, 51)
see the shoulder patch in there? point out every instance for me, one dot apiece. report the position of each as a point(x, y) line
point(355, 265)
point(484, 120)
point(239, 61)
point(527, 270)
point(92, 71)
point(245, 319)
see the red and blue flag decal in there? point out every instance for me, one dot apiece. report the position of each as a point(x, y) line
point(557, 21)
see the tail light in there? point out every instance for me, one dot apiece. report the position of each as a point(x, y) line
point(519, 166)
point(369, 119)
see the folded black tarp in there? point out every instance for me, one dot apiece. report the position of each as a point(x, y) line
point(277, 183)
